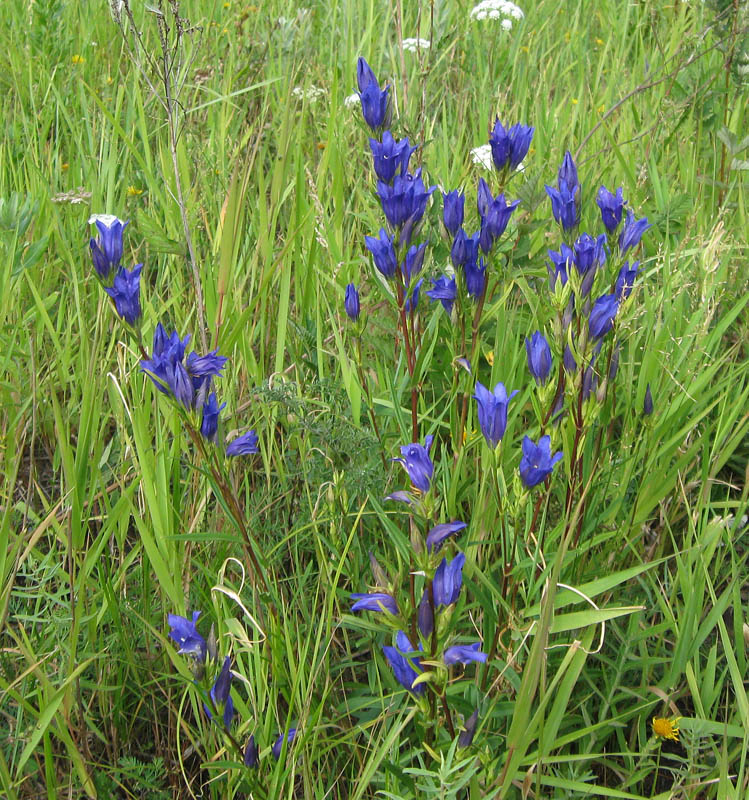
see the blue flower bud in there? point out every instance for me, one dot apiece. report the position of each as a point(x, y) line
point(448, 580)
point(351, 302)
point(611, 207)
point(251, 755)
point(632, 232)
point(383, 253)
point(453, 204)
point(406, 669)
point(492, 411)
point(564, 205)
point(125, 291)
point(568, 173)
point(539, 357)
point(647, 406)
point(278, 744)
point(106, 250)
point(211, 410)
point(601, 318)
point(625, 280)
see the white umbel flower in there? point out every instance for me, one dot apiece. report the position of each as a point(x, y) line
point(482, 156)
point(413, 45)
point(496, 9)
point(352, 101)
point(311, 94)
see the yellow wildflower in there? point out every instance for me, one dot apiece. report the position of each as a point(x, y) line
point(574, 101)
point(64, 166)
point(599, 41)
point(134, 191)
point(665, 728)
point(78, 59)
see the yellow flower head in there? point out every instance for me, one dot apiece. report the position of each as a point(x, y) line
point(134, 191)
point(665, 728)
point(78, 59)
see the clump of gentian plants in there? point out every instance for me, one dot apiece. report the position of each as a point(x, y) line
point(572, 360)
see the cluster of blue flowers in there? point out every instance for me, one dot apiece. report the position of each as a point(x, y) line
point(187, 379)
point(184, 632)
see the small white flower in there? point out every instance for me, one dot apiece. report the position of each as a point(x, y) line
point(312, 94)
point(413, 45)
point(106, 219)
point(494, 9)
point(352, 101)
point(482, 156)
point(507, 24)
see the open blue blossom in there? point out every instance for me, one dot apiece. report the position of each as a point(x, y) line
point(611, 207)
point(568, 173)
point(475, 276)
point(278, 744)
point(351, 302)
point(185, 634)
point(106, 249)
point(209, 423)
point(509, 147)
point(492, 411)
point(251, 755)
point(221, 696)
point(632, 232)
point(453, 209)
point(383, 253)
point(537, 462)
point(445, 290)
point(440, 532)
point(560, 265)
point(564, 205)
point(243, 445)
point(465, 249)
point(539, 357)
point(404, 202)
point(374, 101)
point(125, 291)
point(406, 670)
point(464, 654)
point(376, 601)
point(390, 156)
point(448, 580)
point(601, 318)
point(625, 280)
point(494, 222)
point(418, 464)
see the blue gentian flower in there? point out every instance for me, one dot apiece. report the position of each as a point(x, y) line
point(401, 497)
point(632, 232)
point(375, 601)
point(539, 357)
point(464, 654)
point(475, 276)
point(106, 250)
point(564, 205)
point(585, 249)
point(537, 462)
point(466, 735)
point(412, 300)
point(611, 207)
point(560, 265)
point(601, 318)
point(494, 222)
point(492, 411)
point(185, 634)
point(445, 290)
point(221, 696)
point(125, 291)
point(209, 423)
point(425, 615)
point(390, 156)
point(590, 380)
point(568, 173)
point(453, 209)
point(405, 201)
point(278, 744)
point(383, 253)
point(569, 360)
point(509, 147)
point(647, 406)
point(251, 755)
point(406, 670)
point(625, 280)
point(464, 249)
point(440, 532)
point(413, 262)
point(243, 445)
point(614, 363)
point(448, 580)
point(484, 197)
point(351, 302)
point(374, 102)
point(418, 464)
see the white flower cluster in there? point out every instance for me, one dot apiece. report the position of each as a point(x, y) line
point(495, 9)
point(413, 45)
point(352, 101)
point(311, 94)
point(482, 156)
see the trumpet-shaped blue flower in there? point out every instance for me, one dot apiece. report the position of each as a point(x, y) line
point(448, 580)
point(185, 634)
point(376, 601)
point(560, 265)
point(632, 232)
point(440, 532)
point(484, 197)
point(209, 423)
point(625, 280)
point(278, 744)
point(418, 464)
point(390, 156)
point(453, 209)
point(445, 290)
point(492, 411)
point(106, 249)
point(539, 357)
point(564, 205)
point(383, 253)
point(464, 654)
point(351, 302)
point(465, 249)
point(425, 615)
point(475, 277)
point(537, 462)
point(405, 201)
point(251, 755)
point(494, 222)
point(412, 300)
point(601, 318)
point(413, 262)
point(569, 360)
point(125, 291)
point(406, 670)
point(221, 696)
point(611, 206)
point(509, 147)
point(243, 445)
point(374, 101)
point(568, 173)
